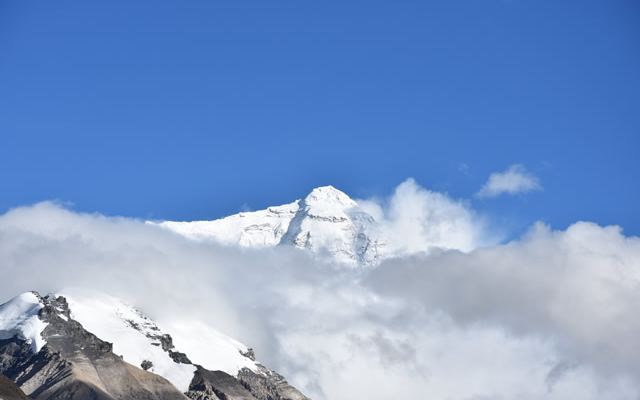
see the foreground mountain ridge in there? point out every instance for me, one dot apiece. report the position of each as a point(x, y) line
point(9, 390)
point(326, 222)
point(47, 352)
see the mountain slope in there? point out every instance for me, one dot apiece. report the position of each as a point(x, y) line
point(9, 390)
point(56, 357)
point(326, 222)
point(139, 340)
point(250, 229)
point(72, 363)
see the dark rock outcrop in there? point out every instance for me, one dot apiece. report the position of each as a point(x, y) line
point(268, 385)
point(217, 385)
point(9, 390)
point(77, 365)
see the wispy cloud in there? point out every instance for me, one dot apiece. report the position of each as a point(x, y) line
point(515, 179)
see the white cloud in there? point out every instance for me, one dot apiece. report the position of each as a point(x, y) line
point(516, 179)
point(415, 220)
point(547, 316)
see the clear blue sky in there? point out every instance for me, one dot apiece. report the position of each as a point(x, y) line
point(194, 109)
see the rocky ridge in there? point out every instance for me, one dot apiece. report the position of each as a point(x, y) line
point(75, 364)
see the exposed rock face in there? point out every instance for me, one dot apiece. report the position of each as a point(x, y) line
point(210, 385)
point(72, 363)
point(76, 365)
point(9, 390)
point(269, 385)
point(249, 385)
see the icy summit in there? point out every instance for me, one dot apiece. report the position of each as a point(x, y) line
point(326, 222)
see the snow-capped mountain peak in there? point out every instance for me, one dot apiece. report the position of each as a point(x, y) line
point(327, 202)
point(326, 222)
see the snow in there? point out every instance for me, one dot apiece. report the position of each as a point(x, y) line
point(19, 317)
point(327, 201)
point(326, 222)
point(330, 222)
point(135, 337)
point(250, 229)
point(208, 347)
point(107, 318)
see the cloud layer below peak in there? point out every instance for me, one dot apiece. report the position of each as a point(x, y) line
point(550, 315)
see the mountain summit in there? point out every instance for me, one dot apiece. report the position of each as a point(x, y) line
point(326, 222)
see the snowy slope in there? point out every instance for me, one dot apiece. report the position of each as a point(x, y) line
point(327, 222)
point(91, 344)
point(251, 229)
point(19, 317)
point(138, 339)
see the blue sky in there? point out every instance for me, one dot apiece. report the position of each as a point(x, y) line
point(191, 110)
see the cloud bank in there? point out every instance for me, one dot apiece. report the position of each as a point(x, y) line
point(416, 220)
point(516, 179)
point(548, 316)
